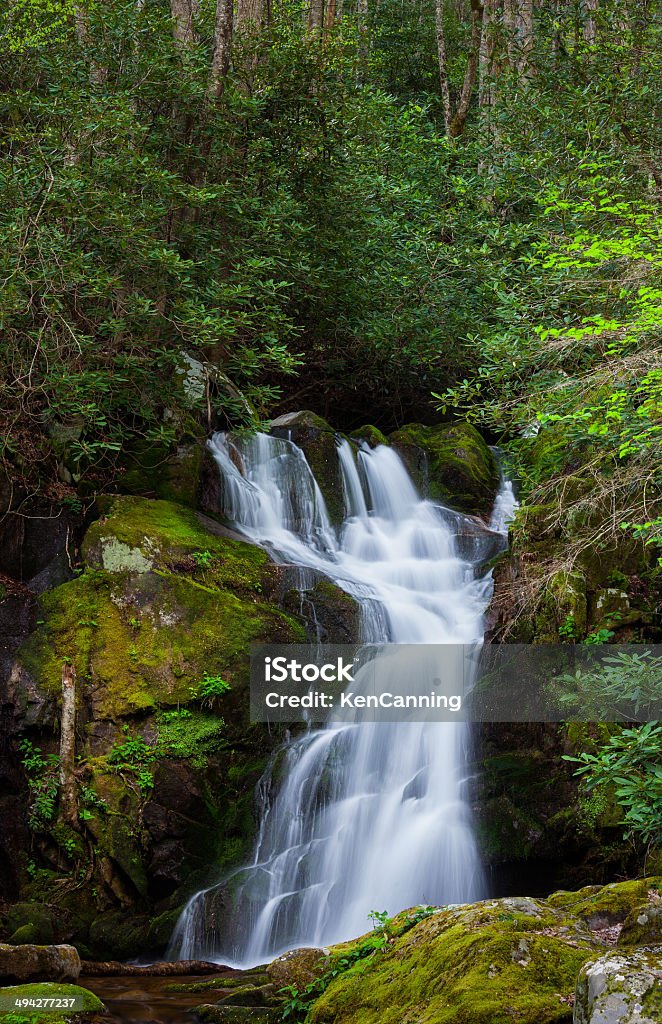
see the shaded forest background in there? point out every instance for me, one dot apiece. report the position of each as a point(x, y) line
point(212, 212)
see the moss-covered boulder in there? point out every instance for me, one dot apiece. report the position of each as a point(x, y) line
point(643, 926)
point(29, 923)
point(620, 988)
point(153, 471)
point(85, 1002)
point(371, 435)
point(57, 963)
point(317, 439)
point(450, 463)
point(162, 600)
point(298, 967)
point(487, 963)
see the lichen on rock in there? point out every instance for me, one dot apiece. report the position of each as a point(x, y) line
point(620, 988)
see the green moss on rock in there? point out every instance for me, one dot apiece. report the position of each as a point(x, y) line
point(29, 923)
point(450, 463)
point(493, 962)
point(141, 638)
point(371, 435)
point(86, 1001)
point(485, 964)
point(154, 471)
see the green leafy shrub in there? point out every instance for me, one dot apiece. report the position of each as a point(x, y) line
point(630, 762)
point(42, 771)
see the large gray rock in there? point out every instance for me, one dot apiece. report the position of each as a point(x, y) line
point(620, 988)
point(46, 963)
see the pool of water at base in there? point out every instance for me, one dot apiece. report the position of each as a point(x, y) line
point(151, 1000)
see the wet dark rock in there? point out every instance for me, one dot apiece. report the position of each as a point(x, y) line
point(47, 963)
point(450, 463)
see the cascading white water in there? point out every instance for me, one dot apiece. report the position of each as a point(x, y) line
point(371, 816)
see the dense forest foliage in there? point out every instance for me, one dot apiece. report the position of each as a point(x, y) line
point(379, 209)
point(364, 203)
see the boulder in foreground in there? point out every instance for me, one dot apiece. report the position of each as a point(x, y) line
point(53, 963)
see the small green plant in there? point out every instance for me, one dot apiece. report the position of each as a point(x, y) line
point(203, 559)
point(298, 1001)
point(42, 771)
point(568, 628)
point(623, 687)
point(135, 756)
point(601, 636)
point(209, 689)
point(176, 715)
point(630, 764)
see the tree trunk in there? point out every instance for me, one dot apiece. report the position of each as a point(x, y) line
point(316, 17)
point(362, 13)
point(518, 27)
point(68, 790)
point(460, 119)
point(590, 9)
point(486, 50)
point(220, 62)
point(443, 66)
point(183, 13)
point(330, 19)
point(250, 15)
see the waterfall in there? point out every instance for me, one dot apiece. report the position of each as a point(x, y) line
point(369, 817)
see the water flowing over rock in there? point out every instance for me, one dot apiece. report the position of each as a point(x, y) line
point(370, 817)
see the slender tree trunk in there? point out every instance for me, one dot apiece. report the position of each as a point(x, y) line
point(68, 791)
point(486, 49)
point(590, 10)
point(459, 121)
point(183, 12)
point(525, 28)
point(330, 18)
point(443, 65)
point(316, 21)
point(98, 73)
point(362, 13)
point(220, 62)
point(518, 28)
point(250, 15)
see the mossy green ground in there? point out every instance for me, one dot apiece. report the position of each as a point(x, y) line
point(495, 962)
